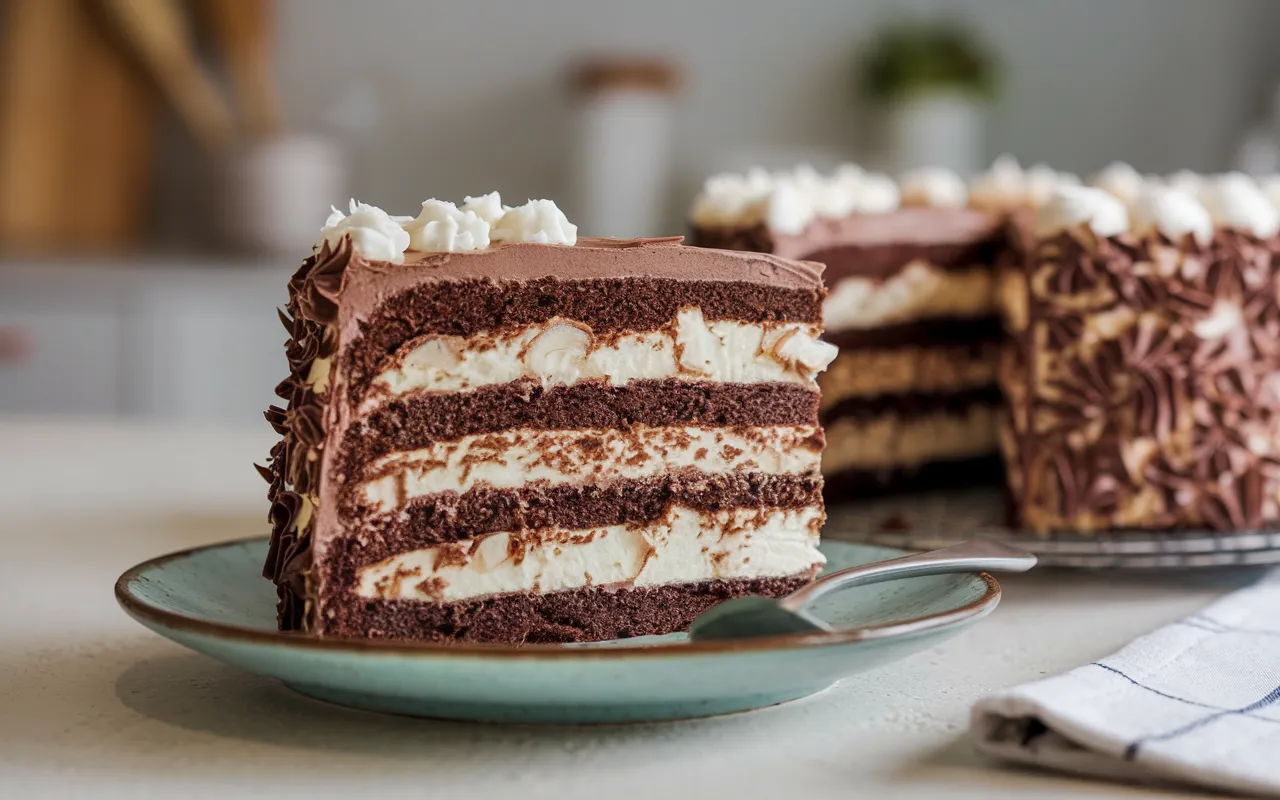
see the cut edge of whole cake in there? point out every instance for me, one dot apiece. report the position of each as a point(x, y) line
point(1126, 362)
point(911, 400)
point(497, 432)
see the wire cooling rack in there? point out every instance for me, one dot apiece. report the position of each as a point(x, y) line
point(927, 521)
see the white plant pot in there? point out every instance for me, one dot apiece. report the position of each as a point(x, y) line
point(936, 130)
point(276, 194)
point(621, 170)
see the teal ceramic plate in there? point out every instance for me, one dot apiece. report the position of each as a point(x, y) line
point(214, 600)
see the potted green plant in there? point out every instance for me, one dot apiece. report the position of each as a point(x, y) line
point(933, 81)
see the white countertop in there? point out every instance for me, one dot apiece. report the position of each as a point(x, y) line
point(93, 704)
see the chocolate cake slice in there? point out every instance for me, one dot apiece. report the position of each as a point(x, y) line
point(497, 432)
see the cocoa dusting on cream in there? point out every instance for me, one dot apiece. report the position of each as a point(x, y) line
point(450, 516)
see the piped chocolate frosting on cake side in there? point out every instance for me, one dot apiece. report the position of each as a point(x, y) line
point(573, 424)
point(294, 463)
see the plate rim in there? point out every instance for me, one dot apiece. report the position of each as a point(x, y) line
point(145, 612)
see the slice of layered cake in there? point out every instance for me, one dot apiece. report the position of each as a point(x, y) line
point(497, 432)
point(1144, 381)
point(912, 398)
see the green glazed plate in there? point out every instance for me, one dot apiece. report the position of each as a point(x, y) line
point(214, 600)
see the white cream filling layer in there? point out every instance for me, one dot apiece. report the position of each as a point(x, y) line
point(890, 441)
point(563, 352)
point(919, 291)
point(686, 546)
point(511, 459)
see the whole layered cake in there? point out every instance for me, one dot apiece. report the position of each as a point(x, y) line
point(498, 432)
point(912, 399)
point(1117, 343)
point(1143, 376)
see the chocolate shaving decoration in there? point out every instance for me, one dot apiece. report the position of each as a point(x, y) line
point(283, 516)
point(1144, 346)
point(1190, 301)
point(294, 464)
point(1090, 391)
point(278, 418)
point(1149, 355)
point(1158, 403)
point(1236, 505)
point(1080, 270)
point(1064, 332)
point(1067, 483)
point(1139, 287)
point(1088, 481)
point(266, 473)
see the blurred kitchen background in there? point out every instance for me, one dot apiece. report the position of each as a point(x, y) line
point(164, 165)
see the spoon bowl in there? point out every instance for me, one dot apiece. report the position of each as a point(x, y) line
point(748, 617)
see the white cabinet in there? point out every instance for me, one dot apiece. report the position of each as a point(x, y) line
point(172, 340)
point(212, 351)
point(71, 365)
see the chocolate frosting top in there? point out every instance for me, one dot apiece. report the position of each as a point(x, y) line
point(663, 258)
point(906, 226)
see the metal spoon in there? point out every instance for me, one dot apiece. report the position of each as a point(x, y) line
point(745, 617)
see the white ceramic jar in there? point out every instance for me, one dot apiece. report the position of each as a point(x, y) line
point(943, 129)
point(622, 152)
point(276, 193)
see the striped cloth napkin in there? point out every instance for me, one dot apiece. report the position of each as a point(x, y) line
point(1196, 702)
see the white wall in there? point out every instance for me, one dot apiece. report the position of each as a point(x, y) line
point(472, 95)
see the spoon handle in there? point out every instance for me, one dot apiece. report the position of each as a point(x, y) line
point(972, 556)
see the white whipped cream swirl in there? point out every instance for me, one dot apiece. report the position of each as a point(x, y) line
point(374, 233)
point(1173, 212)
point(444, 228)
point(1081, 206)
point(1236, 201)
point(934, 186)
point(1121, 180)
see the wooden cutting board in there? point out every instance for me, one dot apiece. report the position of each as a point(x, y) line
point(35, 71)
point(111, 141)
point(77, 128)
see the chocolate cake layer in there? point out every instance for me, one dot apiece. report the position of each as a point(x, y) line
point(921, 333)
point(913, 405)
point(468, 307)
point(450, 516)
point(580, 615)
point(852, 484)
point(415, 421)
